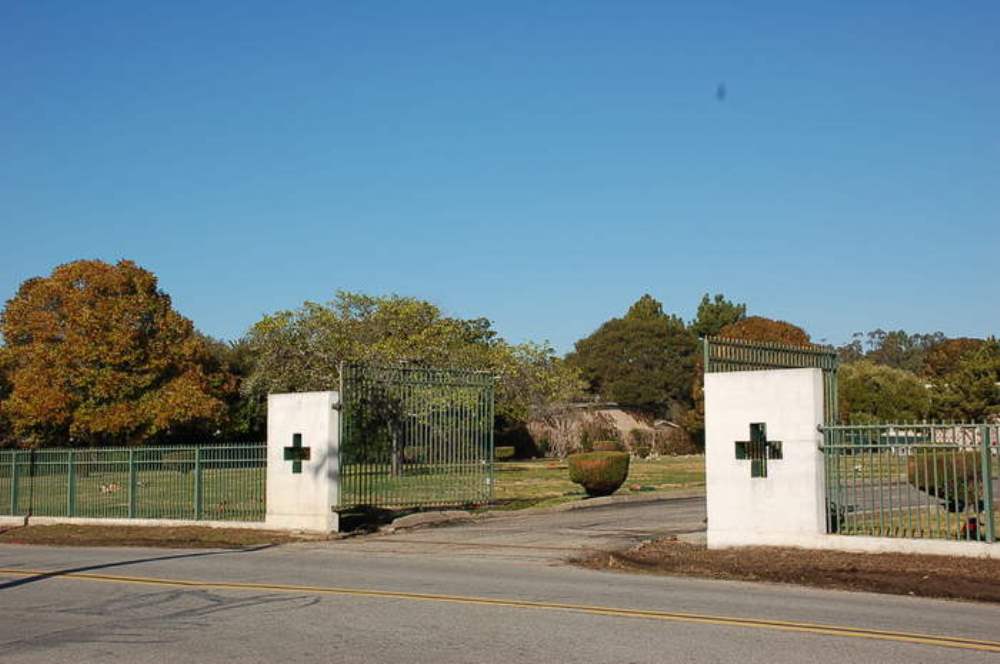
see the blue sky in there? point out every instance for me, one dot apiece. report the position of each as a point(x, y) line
point(541, 164)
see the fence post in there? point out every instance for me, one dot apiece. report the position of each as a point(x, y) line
point(13, 483)
point(71, 484)
point(131, 484)
point(199, 497)
point(985, 454)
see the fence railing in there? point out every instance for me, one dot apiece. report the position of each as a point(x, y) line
point(917, 480)
point(210, 482)
point(722, 354)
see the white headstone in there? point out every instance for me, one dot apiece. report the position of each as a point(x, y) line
point(303, 500)
point(789, 503)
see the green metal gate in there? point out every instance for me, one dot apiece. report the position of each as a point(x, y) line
point(721, 354)
point(414, 436)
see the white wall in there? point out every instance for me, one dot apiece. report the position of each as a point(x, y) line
point(790, 501)
point(303, 501)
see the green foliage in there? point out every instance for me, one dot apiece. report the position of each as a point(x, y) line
point(503, 453)
point(874, 392)
point(608, 446)
point(302, 350)
point(971, 391)
point(715, 314)
point(949, 475)
point(644, 359)
point(599, 473)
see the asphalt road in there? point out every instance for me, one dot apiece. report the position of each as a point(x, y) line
point(355, 601)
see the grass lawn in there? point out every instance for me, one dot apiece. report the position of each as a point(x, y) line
point(545, 482)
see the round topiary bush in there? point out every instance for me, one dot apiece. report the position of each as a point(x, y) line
point(599, 473)
point(608, 446)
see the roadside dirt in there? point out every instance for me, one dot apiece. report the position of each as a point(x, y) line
point(179, 537)
point(899, 574)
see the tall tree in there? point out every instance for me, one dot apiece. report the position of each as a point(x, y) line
point(302, 349)
point(716, 313)
point(875, 392)
point(971, 391)
point(644, 359)
point(98, 355)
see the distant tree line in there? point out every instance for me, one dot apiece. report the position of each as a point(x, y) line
point(95, 354)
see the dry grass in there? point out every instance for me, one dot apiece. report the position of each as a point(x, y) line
point(155, 536)
point(892, 573)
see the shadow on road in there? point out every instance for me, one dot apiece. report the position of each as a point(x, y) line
point(124, 563)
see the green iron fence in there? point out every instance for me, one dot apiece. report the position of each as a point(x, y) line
point(721, 354)
point(916, 480)
point(415, 437)
point(211, 482)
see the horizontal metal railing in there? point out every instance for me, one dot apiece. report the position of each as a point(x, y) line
point(913, 480)
point(721, 354)
point(209, 482)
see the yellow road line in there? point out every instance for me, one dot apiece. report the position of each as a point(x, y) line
point(728, 621)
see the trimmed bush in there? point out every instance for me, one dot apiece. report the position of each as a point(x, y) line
point(949, 475)
point(503, 453)
point(599, 473)
point(608, 446)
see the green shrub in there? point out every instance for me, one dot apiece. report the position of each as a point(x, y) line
point(608, 446)
point(599, 473)
point(947, 474)
point(503, 453)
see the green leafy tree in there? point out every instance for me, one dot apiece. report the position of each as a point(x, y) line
point(97, 355)
point(972, 390)
point(302, 349)
point(644, 359)
point(870, 392)
point(714, 314)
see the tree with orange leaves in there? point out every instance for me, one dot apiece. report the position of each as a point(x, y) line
point(96, 355)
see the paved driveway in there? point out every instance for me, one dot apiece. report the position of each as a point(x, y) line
point(546, 535)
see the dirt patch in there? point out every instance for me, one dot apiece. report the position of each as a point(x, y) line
point(898, 574)
point(159, 536)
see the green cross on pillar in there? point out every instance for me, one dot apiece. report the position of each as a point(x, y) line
point(296, 453)
point(758, 449)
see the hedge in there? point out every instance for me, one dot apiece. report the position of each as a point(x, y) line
point(599, 473)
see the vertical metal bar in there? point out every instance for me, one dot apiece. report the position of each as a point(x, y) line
point(70, 484)
point(985, 456)
point(131, 484)
point(199, 489)
point(13, 482)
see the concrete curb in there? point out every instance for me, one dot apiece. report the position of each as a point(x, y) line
point(427, 519)
point(593, 503)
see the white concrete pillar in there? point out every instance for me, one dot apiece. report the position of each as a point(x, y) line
point(788, 506)
point(301, 496)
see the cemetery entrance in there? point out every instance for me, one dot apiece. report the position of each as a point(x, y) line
point(413, 436)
